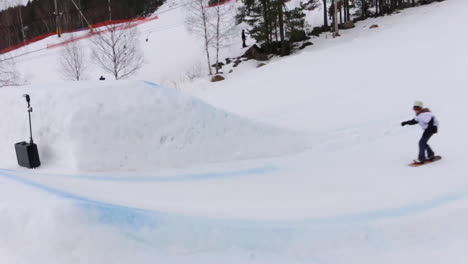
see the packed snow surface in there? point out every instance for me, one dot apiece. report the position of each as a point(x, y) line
point(345, 196)
point(132, 126)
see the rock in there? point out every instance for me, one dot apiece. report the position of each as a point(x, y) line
point(306, 44)
point(374, 26)
point(316, 31)
point(231, 71)
point(219, 66)
point(426, 2)
point(237, 62)
point(348, 25)
point(255, 53)
point(261, 65)
point(217, 78)
point(228, 61)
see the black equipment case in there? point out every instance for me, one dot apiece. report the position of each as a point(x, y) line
point(27, 153)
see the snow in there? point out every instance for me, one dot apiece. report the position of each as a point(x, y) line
point(133, 125)
point(343, 194)
point(5, 4)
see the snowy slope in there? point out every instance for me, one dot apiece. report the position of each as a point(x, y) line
point(349, 198)
point(131, 125)
point(171, 52)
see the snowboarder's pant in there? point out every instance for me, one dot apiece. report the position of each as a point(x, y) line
point(424, 147)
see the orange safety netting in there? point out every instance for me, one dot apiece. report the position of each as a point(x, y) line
point(17, 46)
point(126, 24)
point(130, 24)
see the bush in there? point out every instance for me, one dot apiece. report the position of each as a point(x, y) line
point(297, 36)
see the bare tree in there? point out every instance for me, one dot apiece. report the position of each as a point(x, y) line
point(221, 27)
point(117, 52)
point(18, 4)
point(73, 62)
point(9, 76)
point(197, 21)
point(336, 29)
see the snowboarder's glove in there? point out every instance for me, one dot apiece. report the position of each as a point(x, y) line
point(411, 122)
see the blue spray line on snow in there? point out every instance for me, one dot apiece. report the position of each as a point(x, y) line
point(138, 218)
point(129, 216)
point(176, 178)
point(151, 83)
point(108, 213)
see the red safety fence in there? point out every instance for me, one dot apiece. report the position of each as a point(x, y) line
point(31, 41)
point(129, 24)
point(125, 24)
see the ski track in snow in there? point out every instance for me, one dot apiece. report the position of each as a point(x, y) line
point(370, 208)
point(177, 178)
point(137, 218)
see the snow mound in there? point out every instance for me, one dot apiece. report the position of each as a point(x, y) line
point(132, 126)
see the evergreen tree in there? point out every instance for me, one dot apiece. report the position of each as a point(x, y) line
point(274, 26)
point(363, 8)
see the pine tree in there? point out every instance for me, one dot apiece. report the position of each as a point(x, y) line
point(272, 25)
point(363, 8)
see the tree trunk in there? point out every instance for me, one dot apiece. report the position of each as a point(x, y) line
point(218, 21)
point(284, 49)
point(341, 13)
point(207, 40)
point(325, 14)
point(266, 21)
point(21, 24)
point(335, 19)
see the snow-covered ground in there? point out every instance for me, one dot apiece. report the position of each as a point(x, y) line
point(137, 126)
point(329, 182)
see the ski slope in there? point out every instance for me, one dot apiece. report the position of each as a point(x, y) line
point(171, 52)
point(346, 196)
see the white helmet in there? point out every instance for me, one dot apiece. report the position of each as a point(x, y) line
point(419, 104)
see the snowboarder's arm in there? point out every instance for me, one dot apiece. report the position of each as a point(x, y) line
point(410, 122)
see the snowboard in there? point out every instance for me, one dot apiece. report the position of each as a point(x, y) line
point(436, 158)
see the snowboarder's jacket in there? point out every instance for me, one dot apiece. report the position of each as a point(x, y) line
point(426, 120)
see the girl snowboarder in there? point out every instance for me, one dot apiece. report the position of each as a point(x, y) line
point(430, 125)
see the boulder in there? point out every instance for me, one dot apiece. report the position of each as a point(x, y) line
point(316, 31)
point(255, 53)
point(217, 78)
point(237, 62)
point(306, 44)
point(348, 25)
point(374, 26)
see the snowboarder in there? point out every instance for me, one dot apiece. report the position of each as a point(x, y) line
point(244, 38)
point(429, 124)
